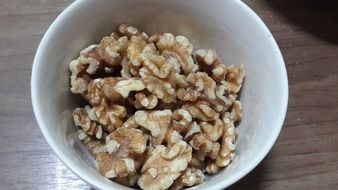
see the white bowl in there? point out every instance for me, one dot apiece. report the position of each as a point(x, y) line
point(229, 27)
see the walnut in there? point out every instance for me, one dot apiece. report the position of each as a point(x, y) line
point(210, 63)
point(193, 129)
point(201, 142)
point(235, 76)
point(125, 70)
point(80, 78)
point(130, 180)
point(213, 130)
point(211, 167)
point(172, 137)
point(177, 80)
point(156, 122)
point(123, 146)
point(102, 89)
point(130, 123)
point(197, 162)
point(236, 111)
point(206, 142)
point(154, 38)
point(158, 65)
point(113, 89)
point(227, 148)
point(183, 117)
point(125, 86)
point(134, 50)
point(188, 94)
point(102, 117)
point(170, 47)
point(190, 177)
point(184, 41)
point(110, 50)
point(94, 145)
point(160, 88)
point(184, 124)
point(201, 110)
point(164, 166)
point(146, 101)
point(223, 99)
point(203, 83)
point(88, 125)
point(128, 30)
point(220, 103)
point(104, 56)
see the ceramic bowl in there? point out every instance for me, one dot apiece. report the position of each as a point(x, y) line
point(229, 27)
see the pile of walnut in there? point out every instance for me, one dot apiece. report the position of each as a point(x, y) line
point(160, 114)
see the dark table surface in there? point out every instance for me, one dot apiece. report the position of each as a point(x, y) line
point(304, 157)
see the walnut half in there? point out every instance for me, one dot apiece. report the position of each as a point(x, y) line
point(124, 147)
point(164, 166)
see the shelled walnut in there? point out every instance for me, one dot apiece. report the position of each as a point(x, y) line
point(164, 166)
point(124, 147)
point(159, 115)
point(190, 177)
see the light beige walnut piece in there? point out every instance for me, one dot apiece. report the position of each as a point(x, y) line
point(190, 177)
point(236, 111)
point(162, 76)
point(98, 119)
point(103, 57)
point(164, 166)
point(203, 83)
point(180, 49)
point(128, 30)
point(130, 123)
point(158, 65)
point(113, 89)
point(145, 101)
point(81, 69)
point(135, 49)
point(211, 143)
point(111, 51)
point(93, 144)
point(201, 110)
point(210, 63)
point(83, 120)
point(184, 124)
point(156, 122)
point(183, 120)
point(235, 76)
point(124, 150)
point(160, 88)
point(227, 148)
point(223, 100)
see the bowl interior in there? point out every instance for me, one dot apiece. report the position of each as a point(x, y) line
point(229, 27)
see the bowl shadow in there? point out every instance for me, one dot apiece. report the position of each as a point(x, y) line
point(318, 17)
point(251, 181)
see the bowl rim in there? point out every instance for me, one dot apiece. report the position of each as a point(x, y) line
point(94, 183)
